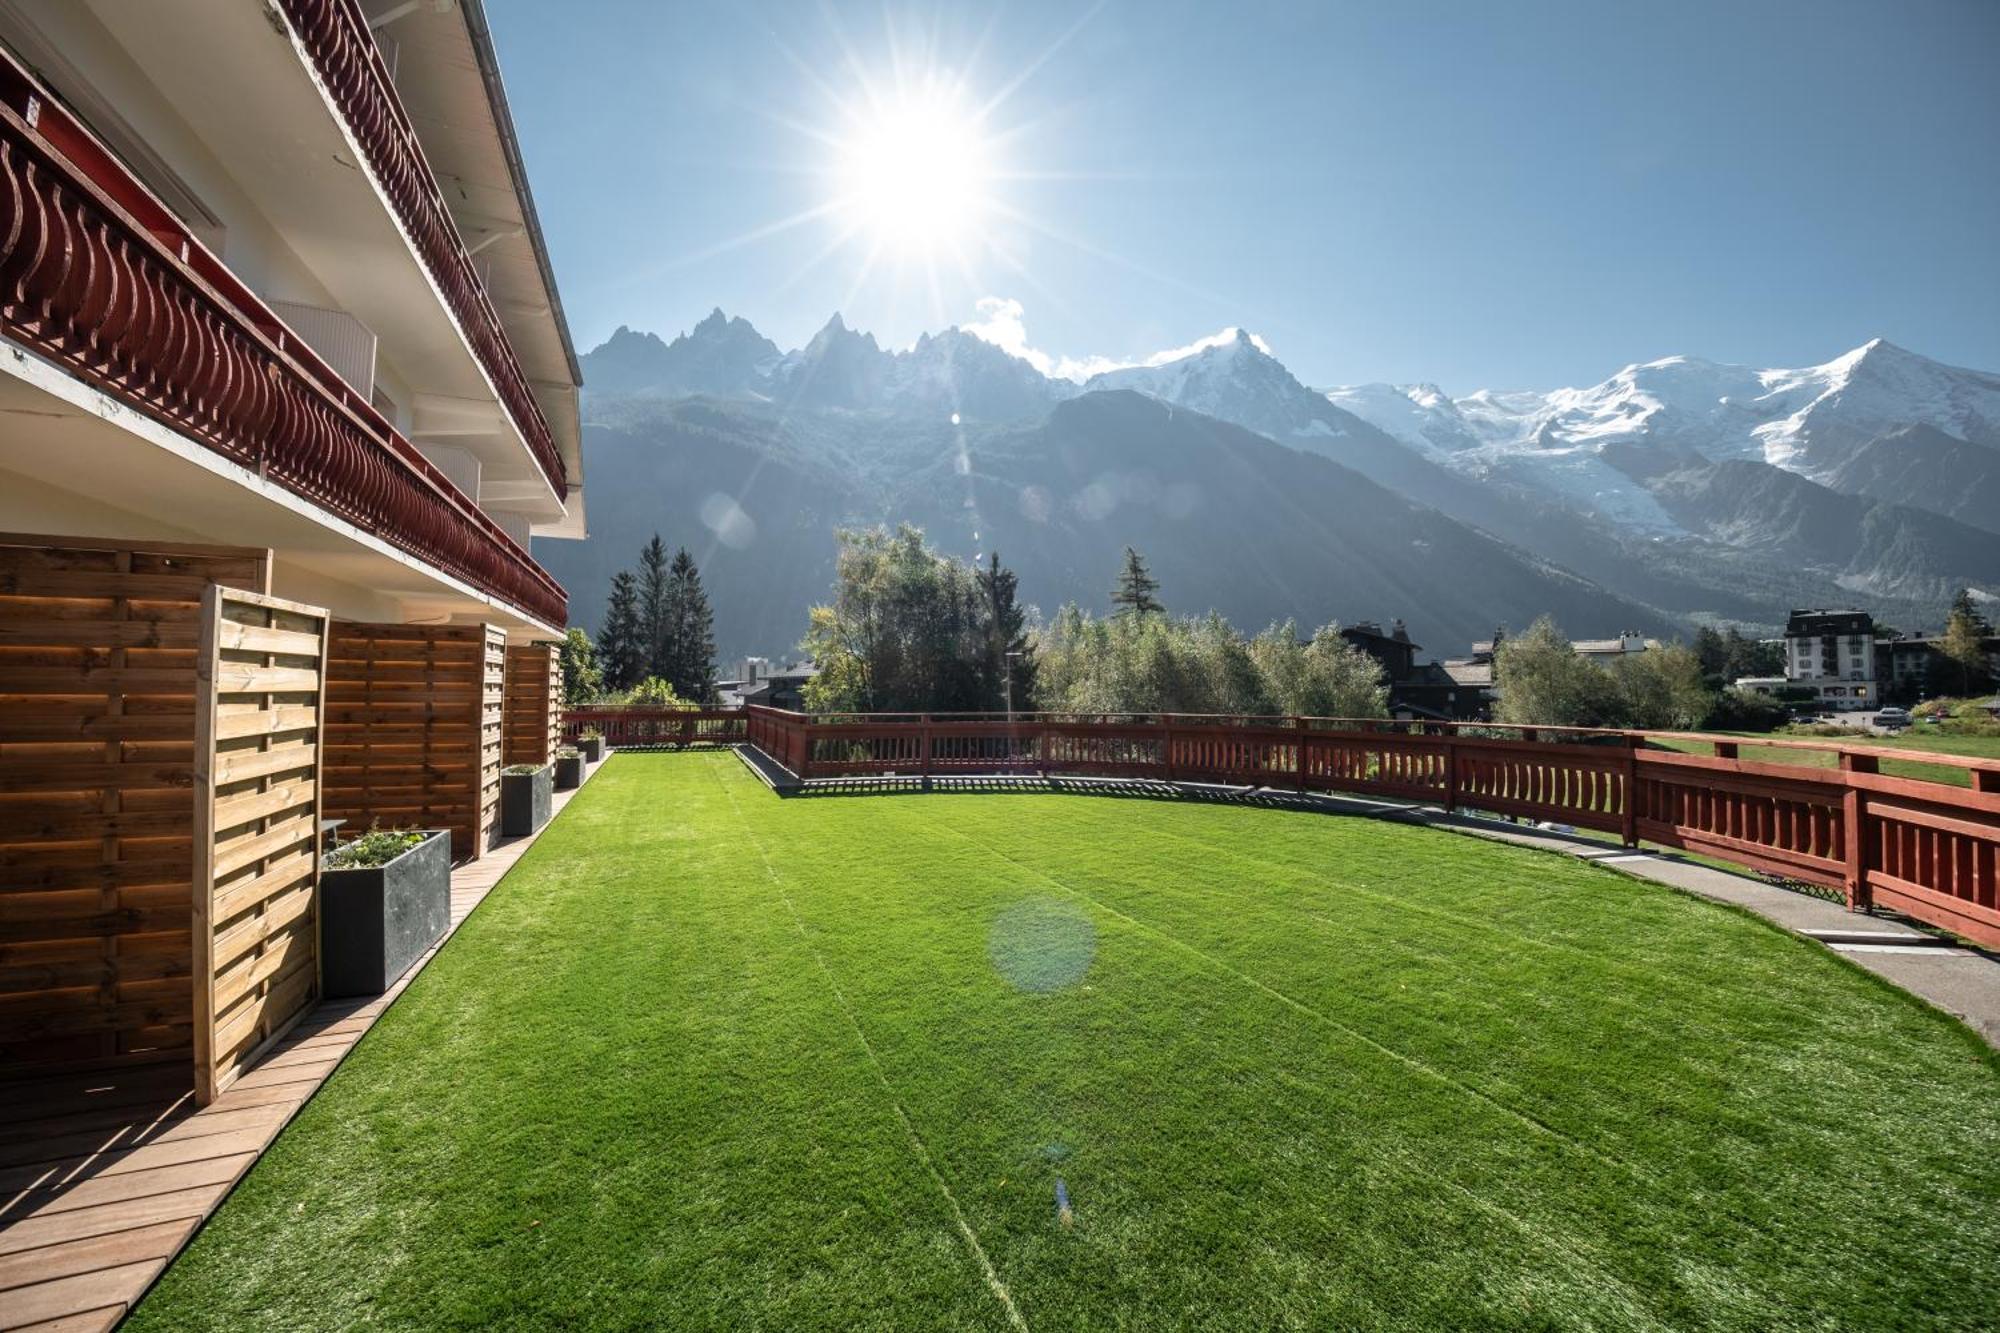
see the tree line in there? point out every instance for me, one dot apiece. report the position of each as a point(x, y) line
point(657, 643)
point(913, 630)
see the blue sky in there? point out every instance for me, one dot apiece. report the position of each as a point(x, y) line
point(1480, 195)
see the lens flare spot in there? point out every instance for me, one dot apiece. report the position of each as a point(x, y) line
point(1042, 944)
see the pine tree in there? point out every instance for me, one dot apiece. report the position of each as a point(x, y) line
point(1965, 632)
point(1010, 655)
point(655, 628)
point(690, 664)
point(1134, 593)
point(620, 647)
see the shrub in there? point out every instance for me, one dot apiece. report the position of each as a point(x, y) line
point(377, 847)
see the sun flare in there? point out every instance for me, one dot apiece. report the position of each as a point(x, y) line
point(914, 172)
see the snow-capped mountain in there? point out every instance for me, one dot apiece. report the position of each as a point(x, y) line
point(1692, 487)
point(1811, 421)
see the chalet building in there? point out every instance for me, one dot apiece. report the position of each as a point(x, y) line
point(287, 391)
point(1430, 690)
point(1913, 666)
point(758, 682)
point(1833, 654)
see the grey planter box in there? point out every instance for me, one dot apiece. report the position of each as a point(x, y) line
point(592, 748)
point(375, 922)
point(525, 801)
point(569, 772)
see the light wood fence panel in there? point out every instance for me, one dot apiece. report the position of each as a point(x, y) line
point(492, 734)
point(98, 645)
point(413, 728)
point(534, 703)
point(256, 828)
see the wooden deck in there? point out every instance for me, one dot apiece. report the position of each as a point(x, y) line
point(103, 1177)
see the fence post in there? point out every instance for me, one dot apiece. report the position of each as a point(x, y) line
point(924, 750)
point(1299, 753)
point(1628, 831)
point(1167, 748)
point(1853, 812)
point(1986, 780)
point(1450, 774)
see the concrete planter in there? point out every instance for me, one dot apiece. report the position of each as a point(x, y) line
point(525, 801)
point(569, 772)
point(592, 748)
point(378, 920)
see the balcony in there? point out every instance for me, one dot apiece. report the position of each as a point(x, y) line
point(100, 278)
point(335, 36)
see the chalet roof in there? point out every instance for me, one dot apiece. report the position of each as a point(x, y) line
point(1479, 674)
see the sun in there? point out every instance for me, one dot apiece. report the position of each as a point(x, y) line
point(914, 172)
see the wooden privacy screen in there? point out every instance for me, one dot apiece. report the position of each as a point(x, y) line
point(413, 719)
point(534, 703)
point(256, 828)
point(98, 642)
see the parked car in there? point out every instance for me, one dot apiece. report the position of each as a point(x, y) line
point(1892, 718)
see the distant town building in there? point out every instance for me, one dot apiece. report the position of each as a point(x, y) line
point(1419, 691)
point(758, 682)
point(1833, 654)
point(1913, 666)
point(1606, 651)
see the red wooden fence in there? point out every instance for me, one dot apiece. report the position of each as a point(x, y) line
point(1925, 848)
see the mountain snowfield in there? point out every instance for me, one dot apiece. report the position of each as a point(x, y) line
point(1807, 421)
point(1685, 490)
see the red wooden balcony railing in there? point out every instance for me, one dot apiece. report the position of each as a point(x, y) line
point(633, 727)
point(97, 275)
point(1925, 848)
point(335, 34)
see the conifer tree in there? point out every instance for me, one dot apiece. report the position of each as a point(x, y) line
point(654, 626)
point(1965, 632)
point(690, 645)
point(620, 648)
point(1010, 654)
point(1134, 594)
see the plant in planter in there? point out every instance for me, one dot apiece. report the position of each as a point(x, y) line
point(385, 897)
point(569, 768)
point(527, 793)
point(591, 743)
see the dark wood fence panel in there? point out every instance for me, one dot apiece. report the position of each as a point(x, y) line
point(406, 728)
point(98, 645)
point(534, 703)
point(256, 828)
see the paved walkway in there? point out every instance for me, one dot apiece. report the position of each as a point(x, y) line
point(104, 1177)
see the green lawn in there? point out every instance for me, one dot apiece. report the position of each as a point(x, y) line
point(708, 1058)
point(1916, 738)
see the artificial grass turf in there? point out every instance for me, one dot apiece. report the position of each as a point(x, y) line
point(708, 1058)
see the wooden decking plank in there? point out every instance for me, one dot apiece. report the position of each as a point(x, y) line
point(96, 1191)
point(43, 1301)
point(31, 1233)
point(41, 1177)
point(156, 1240)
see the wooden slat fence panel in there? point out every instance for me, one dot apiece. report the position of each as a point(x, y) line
point(97, 745)
point(407, 729)
point(258, 781)
point(534, 703)
point(492, 734)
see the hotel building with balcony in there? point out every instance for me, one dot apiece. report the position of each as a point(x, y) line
point(285, 392)
point(273, 278)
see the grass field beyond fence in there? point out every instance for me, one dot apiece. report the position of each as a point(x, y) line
point(708, 1058)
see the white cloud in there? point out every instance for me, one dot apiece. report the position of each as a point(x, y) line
point(1002, 322)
